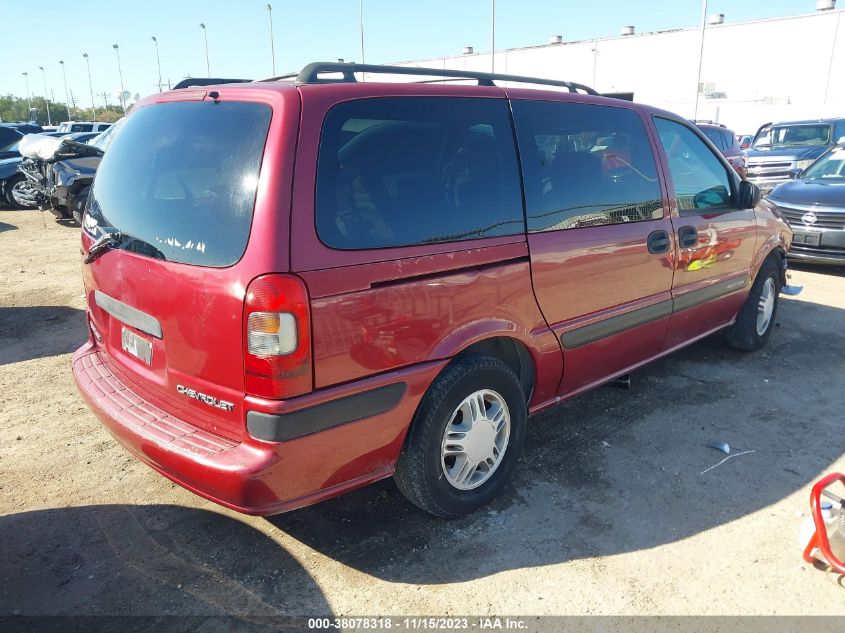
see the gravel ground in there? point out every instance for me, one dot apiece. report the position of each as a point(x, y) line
point(609, 513)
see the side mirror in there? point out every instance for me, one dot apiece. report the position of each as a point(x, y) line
point(749, 195)
point(795, 173)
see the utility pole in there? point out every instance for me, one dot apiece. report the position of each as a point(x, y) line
point(64, 78)
point(46, 102)
point(28, 100)
point(120, 72)
point(832, 52)
point(493, 36)
point(72, 101)
point(91, 88)
point(700, 55)
point(361, 20)
point(105, 96)
point(205, 37)
point(272, 44)
point(158, 62)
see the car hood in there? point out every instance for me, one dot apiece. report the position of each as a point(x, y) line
point(10, 161)
point(9, 166)
point(787, 153)
point(810, 192)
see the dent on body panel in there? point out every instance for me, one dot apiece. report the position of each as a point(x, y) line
point(362, 333)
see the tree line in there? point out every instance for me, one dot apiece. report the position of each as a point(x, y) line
point(14, 109)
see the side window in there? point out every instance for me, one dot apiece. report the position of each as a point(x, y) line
point(405, 171)
point(715, 137)
point(839, 132)
point(730, 140)
point(585, 165)
point(701, 180)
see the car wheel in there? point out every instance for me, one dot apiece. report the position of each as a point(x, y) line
point(15, 193)
point(756, 319)
point(77, 205)
point(465, 439)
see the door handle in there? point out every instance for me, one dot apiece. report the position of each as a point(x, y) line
point(687, 237)
point(658, 242)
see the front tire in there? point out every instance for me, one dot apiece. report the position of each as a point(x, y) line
point(14, 193)
point(77, 204)
point(756, 319)
point(465, 439)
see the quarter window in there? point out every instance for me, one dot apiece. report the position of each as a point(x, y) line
point(585, 165)
point(701, 180)
point(408, 171)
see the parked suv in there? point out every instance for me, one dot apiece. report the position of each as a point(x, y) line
point(726, 142)
point(780, 148)
point(296, 288)
point(68, 127)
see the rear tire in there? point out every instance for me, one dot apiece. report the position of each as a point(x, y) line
point(465, 439)
point(756, 319)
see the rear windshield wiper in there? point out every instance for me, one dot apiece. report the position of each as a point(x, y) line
point(109, 238)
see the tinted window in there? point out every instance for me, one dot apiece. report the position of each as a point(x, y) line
point(700, 178)
point(81, 127)
point(585, 165)
point(730, 139)
point(179, 180)
point(8, 137)
point(397, 171)
point(715, 137)
point(839, 132)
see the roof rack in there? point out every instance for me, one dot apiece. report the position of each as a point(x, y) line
point(311, 75)
point(708, 122)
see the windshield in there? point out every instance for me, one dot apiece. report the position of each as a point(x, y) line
point(828, 167)
point(104, 139)
point(179, 181)
point(793, 135)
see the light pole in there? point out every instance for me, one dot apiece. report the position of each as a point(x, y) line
point(120, 73)
point(205, 37)
point(493, 36)
point(28, 100)
point(91, 88)
point(700, 55)
point(46, 103)
point(67, 100)
point(361, 20)
point(158, 62)
point(272, 44)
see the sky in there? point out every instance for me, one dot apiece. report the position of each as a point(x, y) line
point(47, 31)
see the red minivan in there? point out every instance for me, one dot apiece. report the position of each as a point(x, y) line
point(300, 286)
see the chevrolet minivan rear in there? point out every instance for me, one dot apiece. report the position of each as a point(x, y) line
point(187, 310)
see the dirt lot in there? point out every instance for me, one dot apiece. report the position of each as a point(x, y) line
point(609, 513)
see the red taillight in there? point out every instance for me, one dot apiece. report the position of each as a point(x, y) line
point(277, 337)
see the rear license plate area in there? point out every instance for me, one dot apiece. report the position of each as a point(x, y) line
point(807, 238)
point(136, 346)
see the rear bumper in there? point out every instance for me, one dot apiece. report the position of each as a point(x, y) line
point(254, 476)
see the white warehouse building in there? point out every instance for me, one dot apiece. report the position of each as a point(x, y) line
point(752, 72)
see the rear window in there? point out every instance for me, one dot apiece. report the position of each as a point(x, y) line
point(407, 171)
point(179, 181)
point(81, 127)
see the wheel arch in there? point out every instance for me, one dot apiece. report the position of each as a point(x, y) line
point(514, 353)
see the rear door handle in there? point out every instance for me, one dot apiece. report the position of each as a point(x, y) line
point(687, 237)
point(658, 242)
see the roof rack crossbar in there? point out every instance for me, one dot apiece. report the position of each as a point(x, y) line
point(311, 75)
